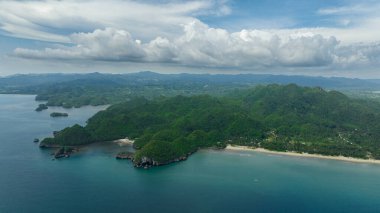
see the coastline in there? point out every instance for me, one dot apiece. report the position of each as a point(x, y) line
point(124, 141)
point(305, 155)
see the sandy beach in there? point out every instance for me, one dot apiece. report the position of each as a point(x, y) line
point(124, 141)
point(307, 155)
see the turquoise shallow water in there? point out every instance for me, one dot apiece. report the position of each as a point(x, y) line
point(209, 181)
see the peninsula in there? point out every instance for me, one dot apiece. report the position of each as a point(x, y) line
point(274, 117)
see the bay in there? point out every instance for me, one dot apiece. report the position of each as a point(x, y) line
point(209, 181)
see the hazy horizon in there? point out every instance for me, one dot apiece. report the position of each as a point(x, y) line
point(195, 73)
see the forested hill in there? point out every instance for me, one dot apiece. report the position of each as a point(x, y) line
point(276, 117)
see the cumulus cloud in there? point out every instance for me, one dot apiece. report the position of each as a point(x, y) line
point(200, 45)
point(359, 54)
point(132, 31)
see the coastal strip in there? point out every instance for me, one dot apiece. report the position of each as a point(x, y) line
point(306, 155)
point(124, 141)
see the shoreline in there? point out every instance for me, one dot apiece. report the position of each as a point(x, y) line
point(123, 141)
point(304, 155)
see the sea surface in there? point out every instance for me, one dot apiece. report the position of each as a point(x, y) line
point(209, 181)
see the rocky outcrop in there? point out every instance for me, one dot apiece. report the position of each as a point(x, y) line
point(63, 152)
point(146, 162)
point(48, 146)
point(58, 114)
point(41, 107)
point(124, 155)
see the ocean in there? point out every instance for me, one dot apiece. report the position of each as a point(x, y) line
point(209, 181)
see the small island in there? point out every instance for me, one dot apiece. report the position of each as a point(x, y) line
point(41, 107)
point(58, 114)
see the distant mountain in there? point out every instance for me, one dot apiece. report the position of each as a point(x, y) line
point(27, 80)
point(75, 90)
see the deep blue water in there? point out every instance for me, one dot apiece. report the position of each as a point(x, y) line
point(209, 181)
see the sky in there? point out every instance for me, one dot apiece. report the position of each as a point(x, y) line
point(291, 37)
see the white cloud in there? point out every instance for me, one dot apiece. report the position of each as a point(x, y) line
point(200, 45)
point(108, 44)
point(50, 20)
point(169, 33)
point(352, 9)
point(359, 54)
point(206, 46)
point(358, 22)
point(54, 20)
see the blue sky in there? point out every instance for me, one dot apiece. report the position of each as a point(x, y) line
point(320, 37)
point(272, 13)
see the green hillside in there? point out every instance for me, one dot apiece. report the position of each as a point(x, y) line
point(282, 118)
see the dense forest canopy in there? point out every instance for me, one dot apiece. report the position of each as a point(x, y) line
point(276, 117)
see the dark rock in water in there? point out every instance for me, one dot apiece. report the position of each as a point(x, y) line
point(63, 152)
point(58, 114)
point(36, 140)
point(41, 107)
point(124, 155)
point(147, 162)
point(45, 146)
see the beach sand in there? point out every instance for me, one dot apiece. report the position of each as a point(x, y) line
point(307, 155)
point(124, 141)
